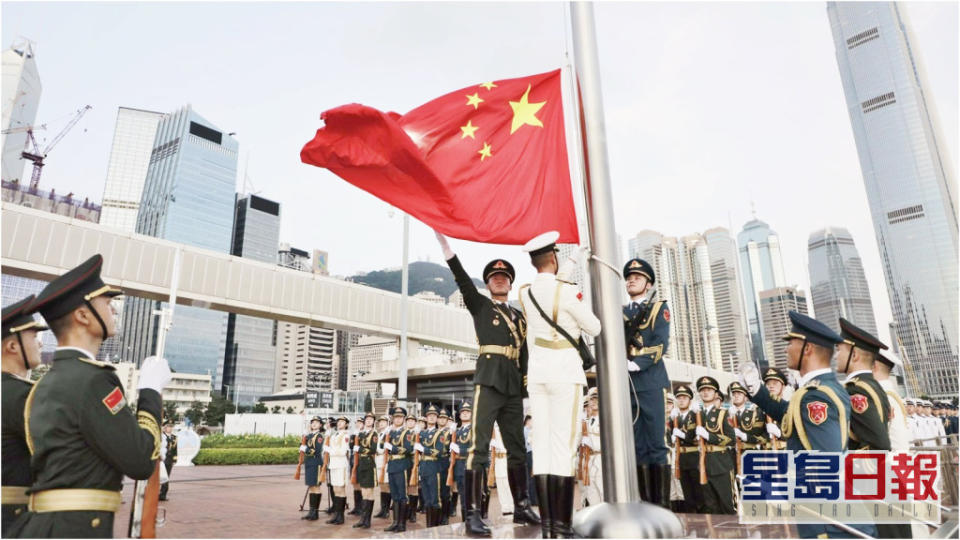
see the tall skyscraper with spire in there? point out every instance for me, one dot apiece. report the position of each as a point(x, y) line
point(911, 193)
point(838, 285)
point(761, 269)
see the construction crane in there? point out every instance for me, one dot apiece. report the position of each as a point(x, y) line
point(38, 155)
point(911, 375)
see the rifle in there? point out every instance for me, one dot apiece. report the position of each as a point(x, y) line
point(414, 481)
point(146, 495)
point(356, 462)
point(676, 450)
point(296, 475)
point(584, 467)
point(703, 452)
point(326, 462)
point(453, 462)
point(304, 501)
point(739, 443)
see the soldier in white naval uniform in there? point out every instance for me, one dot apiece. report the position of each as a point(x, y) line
point(555, 381)
point(337, 469)
point(593, 493)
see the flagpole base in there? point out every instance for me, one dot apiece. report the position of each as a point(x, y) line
point(626, 520)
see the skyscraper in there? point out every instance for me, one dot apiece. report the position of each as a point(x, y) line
point(728, 296)
point(775, 305)
point(21, 98)
point(130, 153)
point(188, 197)
point(250, 356)
point(912, 195)
point(761, 268)
point(838, 286)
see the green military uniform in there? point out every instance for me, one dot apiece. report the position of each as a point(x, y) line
point(17, 317)
point(718, 495)
point(774, 374)
point(82, 433)
point(688, 461)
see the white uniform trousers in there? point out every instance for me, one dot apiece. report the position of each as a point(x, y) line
point(504, 494)
point(593, 493)
point(555, 408)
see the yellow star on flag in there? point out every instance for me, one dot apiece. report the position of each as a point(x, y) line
point(485, 151)
point(524, 112)
point(474, 100)
point(488, 85)
point(468, 130)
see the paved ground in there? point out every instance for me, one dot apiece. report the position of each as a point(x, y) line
point(250, 501)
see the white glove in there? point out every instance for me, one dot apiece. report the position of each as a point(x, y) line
point(632, 366)
point(679, 434)
point(750, 376)
point(703, 433)
point(526, 405)
point(388, 446)
point(356, 448)
point(154, 374)
point(773, 430)
point(695, 407)
point(740, 435)
point(444, 245)
point(674, 412)
point(418, 447)
point(326, 449)
point(303, 448)
point(454, 447)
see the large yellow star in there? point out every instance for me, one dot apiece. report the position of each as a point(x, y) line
point(488, 85)
point(524, 112)
point(468, 130)
point(485, 151)
point(474, 100)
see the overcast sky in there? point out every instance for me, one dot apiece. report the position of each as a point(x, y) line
point(709, 106)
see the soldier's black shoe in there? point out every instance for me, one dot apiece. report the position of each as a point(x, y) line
point(404, 510)
point(444, 511)
point(412, 510)
point(542, 483)
point(313, 514)
point(454, 499)
point(563, 499)
point(473, 483)
point(357, 500)
point(384, 506)
point(396, 518)
point(522, 512)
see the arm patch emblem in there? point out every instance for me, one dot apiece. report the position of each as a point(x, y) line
point(859, 403)
point(666, 314)
point(817, 412)
point(115, 401)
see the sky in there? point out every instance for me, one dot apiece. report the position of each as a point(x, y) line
point(712, 109)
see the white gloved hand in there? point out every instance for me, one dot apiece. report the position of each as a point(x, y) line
point(679, 434)
point(526, 405)
point(154, 374)
point(773, 430)
point(445, 246)
point(418, 447)
point(303, 448)
point(632, 366)
point(694, 407)
point(750, 376)
point(740, 435)
point(356, 448)
point(454, 447)
point(326, 449)
point(703, 433)
point(674, 413)
point(388, 446)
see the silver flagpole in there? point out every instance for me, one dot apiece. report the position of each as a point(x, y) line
point(621, 514)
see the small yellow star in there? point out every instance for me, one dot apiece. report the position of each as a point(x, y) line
point(488, 85)
point(485, 151)
point(524, 112)
point(468, 130)
point(474, 100)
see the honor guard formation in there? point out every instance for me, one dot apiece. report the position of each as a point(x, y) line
point(532, 427)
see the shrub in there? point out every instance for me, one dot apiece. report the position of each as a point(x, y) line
point(218, 440)
point(247, 456)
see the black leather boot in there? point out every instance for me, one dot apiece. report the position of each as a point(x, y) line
point(644, 481)
point(313, 514)
point(330, 499)
point(412, 501)
point(396, 518)
point(366, 512)
point(444, 510)
point(522, 511)
point(419, 505)
point(404, 509)
point(542, 483)
point(384, 506)
point(661, 480)
point(357, 498)
point(454, 499)
point(563, 512)
point(339, 503)
point(473, 524)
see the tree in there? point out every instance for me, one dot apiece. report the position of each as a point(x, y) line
point(260, 408)
point(368, 403)
point(195, 413)
point(217, 409)
point(289, 410)
point(243, 409)
point(170, 413)
point(276, 409)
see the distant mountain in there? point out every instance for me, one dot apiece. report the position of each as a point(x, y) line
point(424, 276)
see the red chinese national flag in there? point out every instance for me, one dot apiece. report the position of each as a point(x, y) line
point(486, 163)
